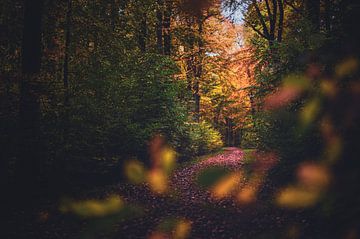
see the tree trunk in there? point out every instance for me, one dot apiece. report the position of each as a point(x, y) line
point(167, 27)
point(67, 49)
point(281, 20)
point(122, 9)
point(313, 12)
point(60, 163)
point(28, 162)
point(159, 26)
point(114, 14)
point(327, 16)
point(143, 34)
point(189, 70)
point(198, 71)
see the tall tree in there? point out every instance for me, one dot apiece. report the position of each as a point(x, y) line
point(65, 131)
point(159, 26)
point(143, 32)
point(167, 27)
point(269, 25)
point(28, 164)
point(312, 8)
point(198, 67)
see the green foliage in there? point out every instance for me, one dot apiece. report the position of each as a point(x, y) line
point(199, 138)
point(116, 108)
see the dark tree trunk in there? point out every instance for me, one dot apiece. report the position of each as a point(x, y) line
point(313, 12)
point(273, 17)
point(190, 61)
point(229, 133)
point(65, 131)
point(167, 27)
point(327, 16)
point(281, 20)
point(159, 26)
point(28, 163)
point(114, 14)
point(189, 71)
point(67, 52)
point(122, 9)
point(198, 69)
point(143, 34)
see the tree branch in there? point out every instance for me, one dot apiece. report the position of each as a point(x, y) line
point(256, 30)
point(262, 21)
point(293, 7)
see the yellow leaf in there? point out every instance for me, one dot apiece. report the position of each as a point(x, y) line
point(310, 111)
point(158, 181)
point(135, 172)
point(347, 67)
point(226, 185)
point(297, 197)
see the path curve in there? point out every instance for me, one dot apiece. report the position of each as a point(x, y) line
point(183, 181)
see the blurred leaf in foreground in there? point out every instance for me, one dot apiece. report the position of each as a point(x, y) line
point(94, 208)
point(176, 228)
point(297, 197)
point(158, 181)
point(135, 171)
point(291, 89)
point(210, 176)
point(227, 185)
point(310, 111)
point(347, 67)
point(313, 180)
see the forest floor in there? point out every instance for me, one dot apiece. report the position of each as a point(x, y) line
point(186, 201)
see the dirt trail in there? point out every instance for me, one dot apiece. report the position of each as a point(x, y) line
point(184, 179)
point(186, 200)
point(210, 218)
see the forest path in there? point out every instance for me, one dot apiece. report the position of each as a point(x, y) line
point(185, 201)
point(209, 217)
point(184, 179)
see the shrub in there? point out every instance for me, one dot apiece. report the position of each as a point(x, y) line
point(199, 138)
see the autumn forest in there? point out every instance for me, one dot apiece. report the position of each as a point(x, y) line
point(175, 119)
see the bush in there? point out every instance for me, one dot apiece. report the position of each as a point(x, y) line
point(199, 138)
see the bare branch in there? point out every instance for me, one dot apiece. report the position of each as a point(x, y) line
point(297, 10)
point(256, 30)
point(262, 21)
